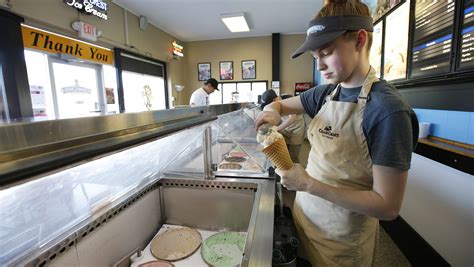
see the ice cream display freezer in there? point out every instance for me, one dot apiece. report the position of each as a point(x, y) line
point(112, 191)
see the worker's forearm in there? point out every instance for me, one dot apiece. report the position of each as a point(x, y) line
point(286, 107)
point(273, 107)
point(278, 107)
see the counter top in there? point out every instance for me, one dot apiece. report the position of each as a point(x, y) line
point(455, 147)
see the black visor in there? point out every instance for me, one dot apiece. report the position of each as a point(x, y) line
point(322, 31)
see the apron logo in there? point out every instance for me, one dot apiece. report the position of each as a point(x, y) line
point(327, 132)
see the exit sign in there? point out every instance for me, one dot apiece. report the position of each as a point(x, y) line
point(87, 31)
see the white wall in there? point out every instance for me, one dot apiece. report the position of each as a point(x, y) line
point(439, 205)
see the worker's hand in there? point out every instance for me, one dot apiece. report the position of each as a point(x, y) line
point(269, 116)
point(295, 178)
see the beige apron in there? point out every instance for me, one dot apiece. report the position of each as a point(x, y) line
point(331, 235)
point(294, 133)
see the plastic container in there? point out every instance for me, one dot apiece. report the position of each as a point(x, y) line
point(424, 129)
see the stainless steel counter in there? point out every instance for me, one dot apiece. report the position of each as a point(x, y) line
point(31, 148)
point(258, 252)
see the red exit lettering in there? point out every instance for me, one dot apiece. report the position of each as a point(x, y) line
point(88, 29)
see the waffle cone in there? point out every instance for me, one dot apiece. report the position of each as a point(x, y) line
point(279, 155)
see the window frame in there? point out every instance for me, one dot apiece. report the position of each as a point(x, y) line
point(221, 83)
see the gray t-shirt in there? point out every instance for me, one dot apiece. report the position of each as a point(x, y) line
point(389, 124)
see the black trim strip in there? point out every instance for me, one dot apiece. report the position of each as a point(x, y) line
point(275, 56)
point(13, 67)
point(455, 160)
point(413, 246)
point(144, 67)
point(118, 71)
point(456, 43)
point(441, 94)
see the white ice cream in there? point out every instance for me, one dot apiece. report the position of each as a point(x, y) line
point(270, 137)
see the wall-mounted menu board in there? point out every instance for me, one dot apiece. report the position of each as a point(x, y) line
point(466, 55)
point(375, 56)
point(378, 8)
point(433, 33)
point(396, 43)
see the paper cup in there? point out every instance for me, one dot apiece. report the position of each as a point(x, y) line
point(424, 129)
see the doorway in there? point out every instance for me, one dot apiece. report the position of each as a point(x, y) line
point(68, 87)
point(76, 89)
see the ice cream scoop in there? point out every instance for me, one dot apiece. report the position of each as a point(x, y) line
point(263, 129)
point(268, 135)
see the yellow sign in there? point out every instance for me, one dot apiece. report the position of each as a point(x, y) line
point(50, 42)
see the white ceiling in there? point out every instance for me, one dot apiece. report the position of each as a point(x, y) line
point(196, 20)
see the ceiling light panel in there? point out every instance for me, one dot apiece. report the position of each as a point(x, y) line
point(235, 22)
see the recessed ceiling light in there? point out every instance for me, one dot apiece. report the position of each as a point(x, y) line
point(235, 22)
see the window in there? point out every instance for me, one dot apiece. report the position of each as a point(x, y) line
point(247, 92)
point(77, 89)
point(143, 92)
point(227, 90)
point(70, 87)
point(40, 84)
point(216, 97)
point(258, 89)
point(110, 84)
point(144, 82)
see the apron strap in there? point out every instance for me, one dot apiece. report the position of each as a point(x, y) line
point(367, 86)
point(332, 94)
point(364, 92)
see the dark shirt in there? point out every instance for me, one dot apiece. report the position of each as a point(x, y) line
point(389, 124)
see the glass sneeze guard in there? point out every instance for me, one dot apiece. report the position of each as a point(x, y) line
point(235, 151)
point(55, 206)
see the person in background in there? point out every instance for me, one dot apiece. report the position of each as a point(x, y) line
point(268, 97)
point(362, 135)
point(292, 128)
point(200, 96)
